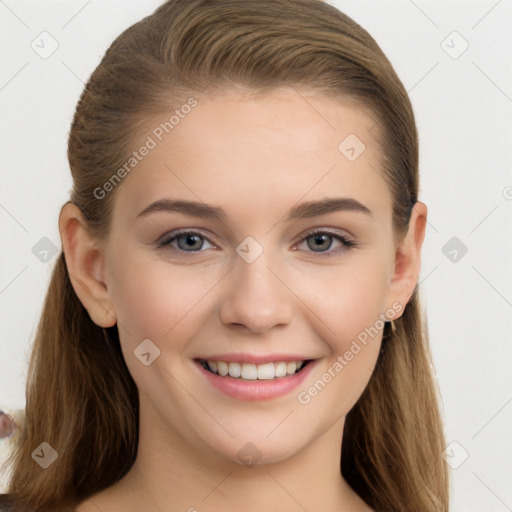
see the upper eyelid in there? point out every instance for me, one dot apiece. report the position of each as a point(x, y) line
point(327, 231)
point(171, 235)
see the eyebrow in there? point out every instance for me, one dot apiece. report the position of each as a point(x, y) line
point(302, 211)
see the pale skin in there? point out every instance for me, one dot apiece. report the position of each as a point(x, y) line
point(256, 159)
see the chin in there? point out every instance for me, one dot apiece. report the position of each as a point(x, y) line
point(243, 451)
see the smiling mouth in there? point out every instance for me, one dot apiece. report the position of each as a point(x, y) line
point(249, 371)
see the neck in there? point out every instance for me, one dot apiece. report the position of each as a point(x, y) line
point(170, 474)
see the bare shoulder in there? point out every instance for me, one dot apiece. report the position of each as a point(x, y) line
point(85, 506)
point(93, 504)
point(90, 505)
point(111, 499)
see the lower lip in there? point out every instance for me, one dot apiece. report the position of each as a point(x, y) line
point(256, 390)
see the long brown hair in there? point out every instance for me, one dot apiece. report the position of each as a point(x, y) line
point(80, 396)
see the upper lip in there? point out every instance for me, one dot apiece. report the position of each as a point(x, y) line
point(255, 358)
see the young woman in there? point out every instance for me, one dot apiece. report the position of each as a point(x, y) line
point(233, 322)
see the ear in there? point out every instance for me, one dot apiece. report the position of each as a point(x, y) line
point(408, 259)
point(84, 261)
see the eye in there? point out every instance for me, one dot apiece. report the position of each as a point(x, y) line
point(187, 241)
point(322, 239)
point(319, 241)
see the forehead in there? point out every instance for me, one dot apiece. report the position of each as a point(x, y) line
point(256, 152)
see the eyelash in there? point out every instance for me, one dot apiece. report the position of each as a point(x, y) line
point(165, 242)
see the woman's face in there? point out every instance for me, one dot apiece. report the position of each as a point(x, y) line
point(249, 285)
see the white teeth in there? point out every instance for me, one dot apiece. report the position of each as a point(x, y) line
point(290, 368)
point(235, 370)
point(222, 368)
point(249, 371)
point(280, 369)
point(266, 371)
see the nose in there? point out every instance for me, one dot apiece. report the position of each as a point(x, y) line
point(258, 297)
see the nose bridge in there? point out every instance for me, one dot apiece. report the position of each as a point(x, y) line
point(257, 296)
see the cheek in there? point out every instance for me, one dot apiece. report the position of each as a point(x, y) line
point(344, 373)
point(348, 299)
point(160, 302)
point(348, 316)
point(157, 300)
point(150, 297)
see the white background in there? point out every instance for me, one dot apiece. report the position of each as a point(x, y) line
point(464, 109)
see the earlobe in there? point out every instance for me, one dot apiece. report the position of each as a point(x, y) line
point(84, 261)
point(408, 258)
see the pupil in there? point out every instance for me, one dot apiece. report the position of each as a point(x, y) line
point(190, 240)
point(321, 239)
